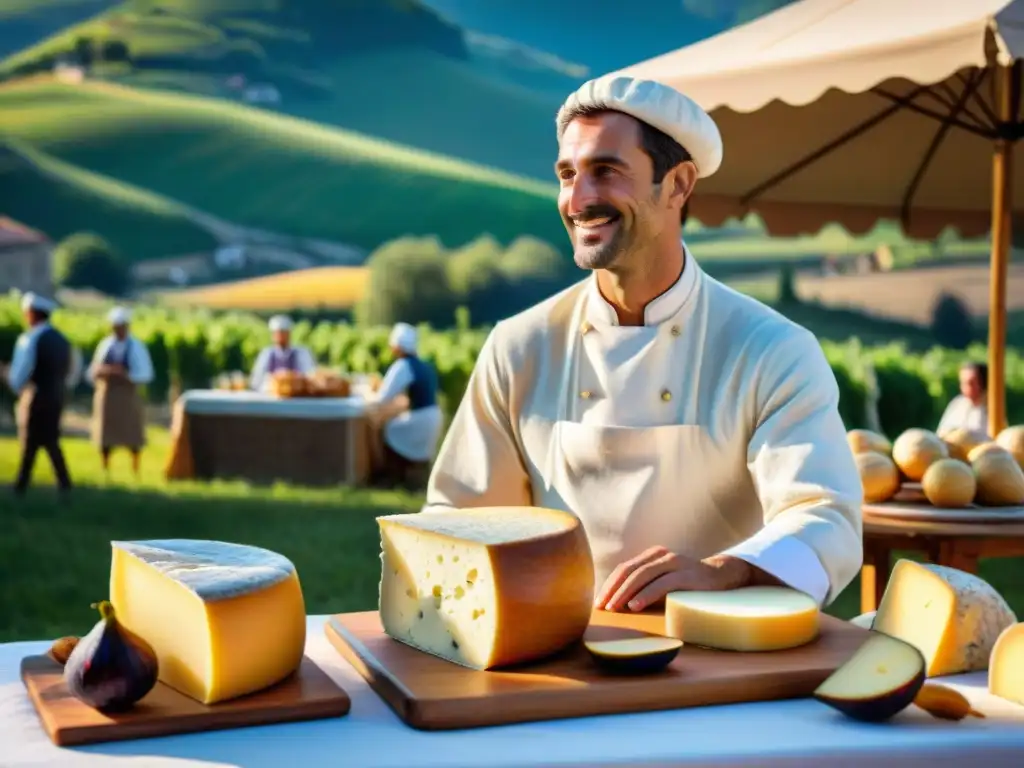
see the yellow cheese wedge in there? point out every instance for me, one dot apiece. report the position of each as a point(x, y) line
point(486, 587)
point(951, 616)
point(224, 619)
point(1006, 665)
point(746, 619)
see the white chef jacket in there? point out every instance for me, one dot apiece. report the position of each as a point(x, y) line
point(140, 364)
point(961, 413)
point(24, 360)
point(411, 434)
point(782, 490)
point(260, 378)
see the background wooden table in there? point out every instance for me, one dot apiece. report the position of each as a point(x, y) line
point(956, 544)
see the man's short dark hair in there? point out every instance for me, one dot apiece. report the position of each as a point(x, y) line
point(665, 152)
point(981, 369)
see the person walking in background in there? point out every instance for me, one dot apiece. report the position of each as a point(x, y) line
point(119, 366)
point(43, 368)
point(969, 409)
point(281, 356)
point(407, 423)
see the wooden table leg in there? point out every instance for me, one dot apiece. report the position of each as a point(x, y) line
point(874, 575)
point(959, 554)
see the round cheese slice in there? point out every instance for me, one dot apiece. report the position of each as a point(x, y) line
point(745, 619)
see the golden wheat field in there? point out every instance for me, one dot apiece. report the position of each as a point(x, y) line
point(326, 287)
point(910, 295)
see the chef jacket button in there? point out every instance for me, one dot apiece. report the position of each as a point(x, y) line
point(585, 394)
point(666, 395)
point(585, 326)
point(675, 330)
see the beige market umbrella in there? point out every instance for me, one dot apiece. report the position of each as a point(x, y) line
point(852, 111)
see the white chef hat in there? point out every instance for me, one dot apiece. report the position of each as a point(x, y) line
point(38, 303)
point(660, 106)
point(119, 316)
point(403, 336)
point(280, 323)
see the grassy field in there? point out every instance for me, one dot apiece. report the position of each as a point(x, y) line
point(55, 559)
point(325, 287)
point(60, 199)
point(273, 172)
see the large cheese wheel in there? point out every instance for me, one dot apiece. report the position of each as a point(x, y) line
point(1012, 439)
point(864, 440)
point(1006, 665)
point(949, 483)
point(961, 442)
point(224, 619)
point(952, 617)
point(1000, 479)
point(486, 587)
point(917, 449)
point(744, 619)
point(878, 475)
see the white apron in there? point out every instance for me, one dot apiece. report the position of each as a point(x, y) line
point(635, 488)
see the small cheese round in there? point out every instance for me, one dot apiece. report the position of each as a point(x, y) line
point(961, 442)
point(1012, 439)
point(745, 619)
point(986, 448)
point(878, 475)
point(917, 449)
point(1000, 479)
point(864, 440)
point(1006, 665)
point(949, 483)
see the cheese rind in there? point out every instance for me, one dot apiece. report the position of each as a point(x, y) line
point(1006, 665)
point(224, 619)
point(486, 587)
point(951, 616)
point(745, 619)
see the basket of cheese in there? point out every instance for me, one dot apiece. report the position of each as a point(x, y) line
point(289, 384)
point(956, 470)
point(327, 383)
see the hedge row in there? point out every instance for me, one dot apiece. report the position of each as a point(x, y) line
point(189, 348)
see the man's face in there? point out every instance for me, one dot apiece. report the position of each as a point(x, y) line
point(608, 201)
point(970, 384)
point(281, 338)
point(121, 331)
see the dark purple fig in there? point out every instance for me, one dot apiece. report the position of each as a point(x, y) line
point(111, 668)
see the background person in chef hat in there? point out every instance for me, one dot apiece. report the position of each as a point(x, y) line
point(694, 431)
point(405, 415)
point(281, 355)
point(120, 365)
point(43, 369)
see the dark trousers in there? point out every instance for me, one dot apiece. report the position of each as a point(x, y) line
point(42, 430)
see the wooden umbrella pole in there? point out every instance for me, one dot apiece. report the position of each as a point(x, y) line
point(1002, 207)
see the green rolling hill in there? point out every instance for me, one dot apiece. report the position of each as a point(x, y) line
point(60, 199)
point(273, 172)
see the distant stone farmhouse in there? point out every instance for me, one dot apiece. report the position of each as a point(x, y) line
point(26, 259)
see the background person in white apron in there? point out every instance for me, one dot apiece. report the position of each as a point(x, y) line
point(693, 430)
point(969, 409)
point(281, 355)
point(120, 365)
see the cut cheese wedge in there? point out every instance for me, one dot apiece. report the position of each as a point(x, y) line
point(224, 619)
point(1006, 665)
point(951, 616)
point(745, 619)
point(486, 587)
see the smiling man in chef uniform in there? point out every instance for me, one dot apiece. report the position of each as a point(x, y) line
point(693, 430)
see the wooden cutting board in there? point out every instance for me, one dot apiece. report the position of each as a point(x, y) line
point(309, 694)
point(432, 694)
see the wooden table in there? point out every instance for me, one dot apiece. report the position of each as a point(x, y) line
point(955, 544)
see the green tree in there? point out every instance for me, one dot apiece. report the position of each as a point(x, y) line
point(86, 260)
point(952, 323)
point(408, 282)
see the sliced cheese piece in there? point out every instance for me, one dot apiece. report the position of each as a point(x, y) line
point(224, 619)
point(951, 616)
point(486, 587)
point(745, 619)
point(1006, 665)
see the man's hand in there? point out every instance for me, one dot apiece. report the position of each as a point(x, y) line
point(109, 371)
point(648, 577)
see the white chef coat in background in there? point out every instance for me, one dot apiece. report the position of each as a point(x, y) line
point(712, 428)
point(259, 380)
point(411, 434)
point(140, 364)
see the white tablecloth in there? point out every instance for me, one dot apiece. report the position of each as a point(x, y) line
point(786, 733)
point(249, 403)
